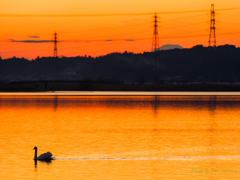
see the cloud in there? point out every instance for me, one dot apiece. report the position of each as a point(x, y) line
point(130, 40)
point(33, 36)
point(108, 40)
point(31, 41)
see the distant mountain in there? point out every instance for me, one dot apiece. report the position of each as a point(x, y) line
point(170, 46)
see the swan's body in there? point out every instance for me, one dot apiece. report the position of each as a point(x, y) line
point(44, 157)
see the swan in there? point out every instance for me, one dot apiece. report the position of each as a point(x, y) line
point(43, 157)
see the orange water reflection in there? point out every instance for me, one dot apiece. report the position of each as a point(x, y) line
point(83, 132)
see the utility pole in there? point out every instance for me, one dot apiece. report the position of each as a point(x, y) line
point(212, 35)
point(55, 45)
point(155, 42)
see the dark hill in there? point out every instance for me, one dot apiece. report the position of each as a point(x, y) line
point(198, 64)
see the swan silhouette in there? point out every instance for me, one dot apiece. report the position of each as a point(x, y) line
point(43, 157)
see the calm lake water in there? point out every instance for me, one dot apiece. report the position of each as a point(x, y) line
point(120, 137)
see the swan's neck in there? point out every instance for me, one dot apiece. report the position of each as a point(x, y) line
point(35, 157)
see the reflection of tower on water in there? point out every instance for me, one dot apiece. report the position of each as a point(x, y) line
point(212, 124)
point(55, 102)
point(156, 104)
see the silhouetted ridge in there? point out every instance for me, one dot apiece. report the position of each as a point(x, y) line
point(198, 64)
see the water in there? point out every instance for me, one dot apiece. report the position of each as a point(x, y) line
point(120, 137)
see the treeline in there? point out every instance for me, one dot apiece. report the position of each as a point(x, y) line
point(198, 64)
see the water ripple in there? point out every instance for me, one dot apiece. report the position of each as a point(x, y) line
point(150, 158)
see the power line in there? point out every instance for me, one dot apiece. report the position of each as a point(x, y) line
point(90, 30)
point(104, 40)
point(102, 15)
point(191, 24)
point(133, 39)
point(116, 27)
point(183, 17)
point(119, 41)
point(230, 15)
point(229, 22)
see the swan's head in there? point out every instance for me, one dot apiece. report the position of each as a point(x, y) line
point(35, 148)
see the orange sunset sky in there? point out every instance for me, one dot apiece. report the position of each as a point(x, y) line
point(91, 35)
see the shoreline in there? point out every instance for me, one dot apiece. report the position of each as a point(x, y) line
point(120, 93)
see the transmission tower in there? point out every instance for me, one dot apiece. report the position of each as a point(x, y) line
point(212, 35)
point(55, 45)
point(155, 42)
